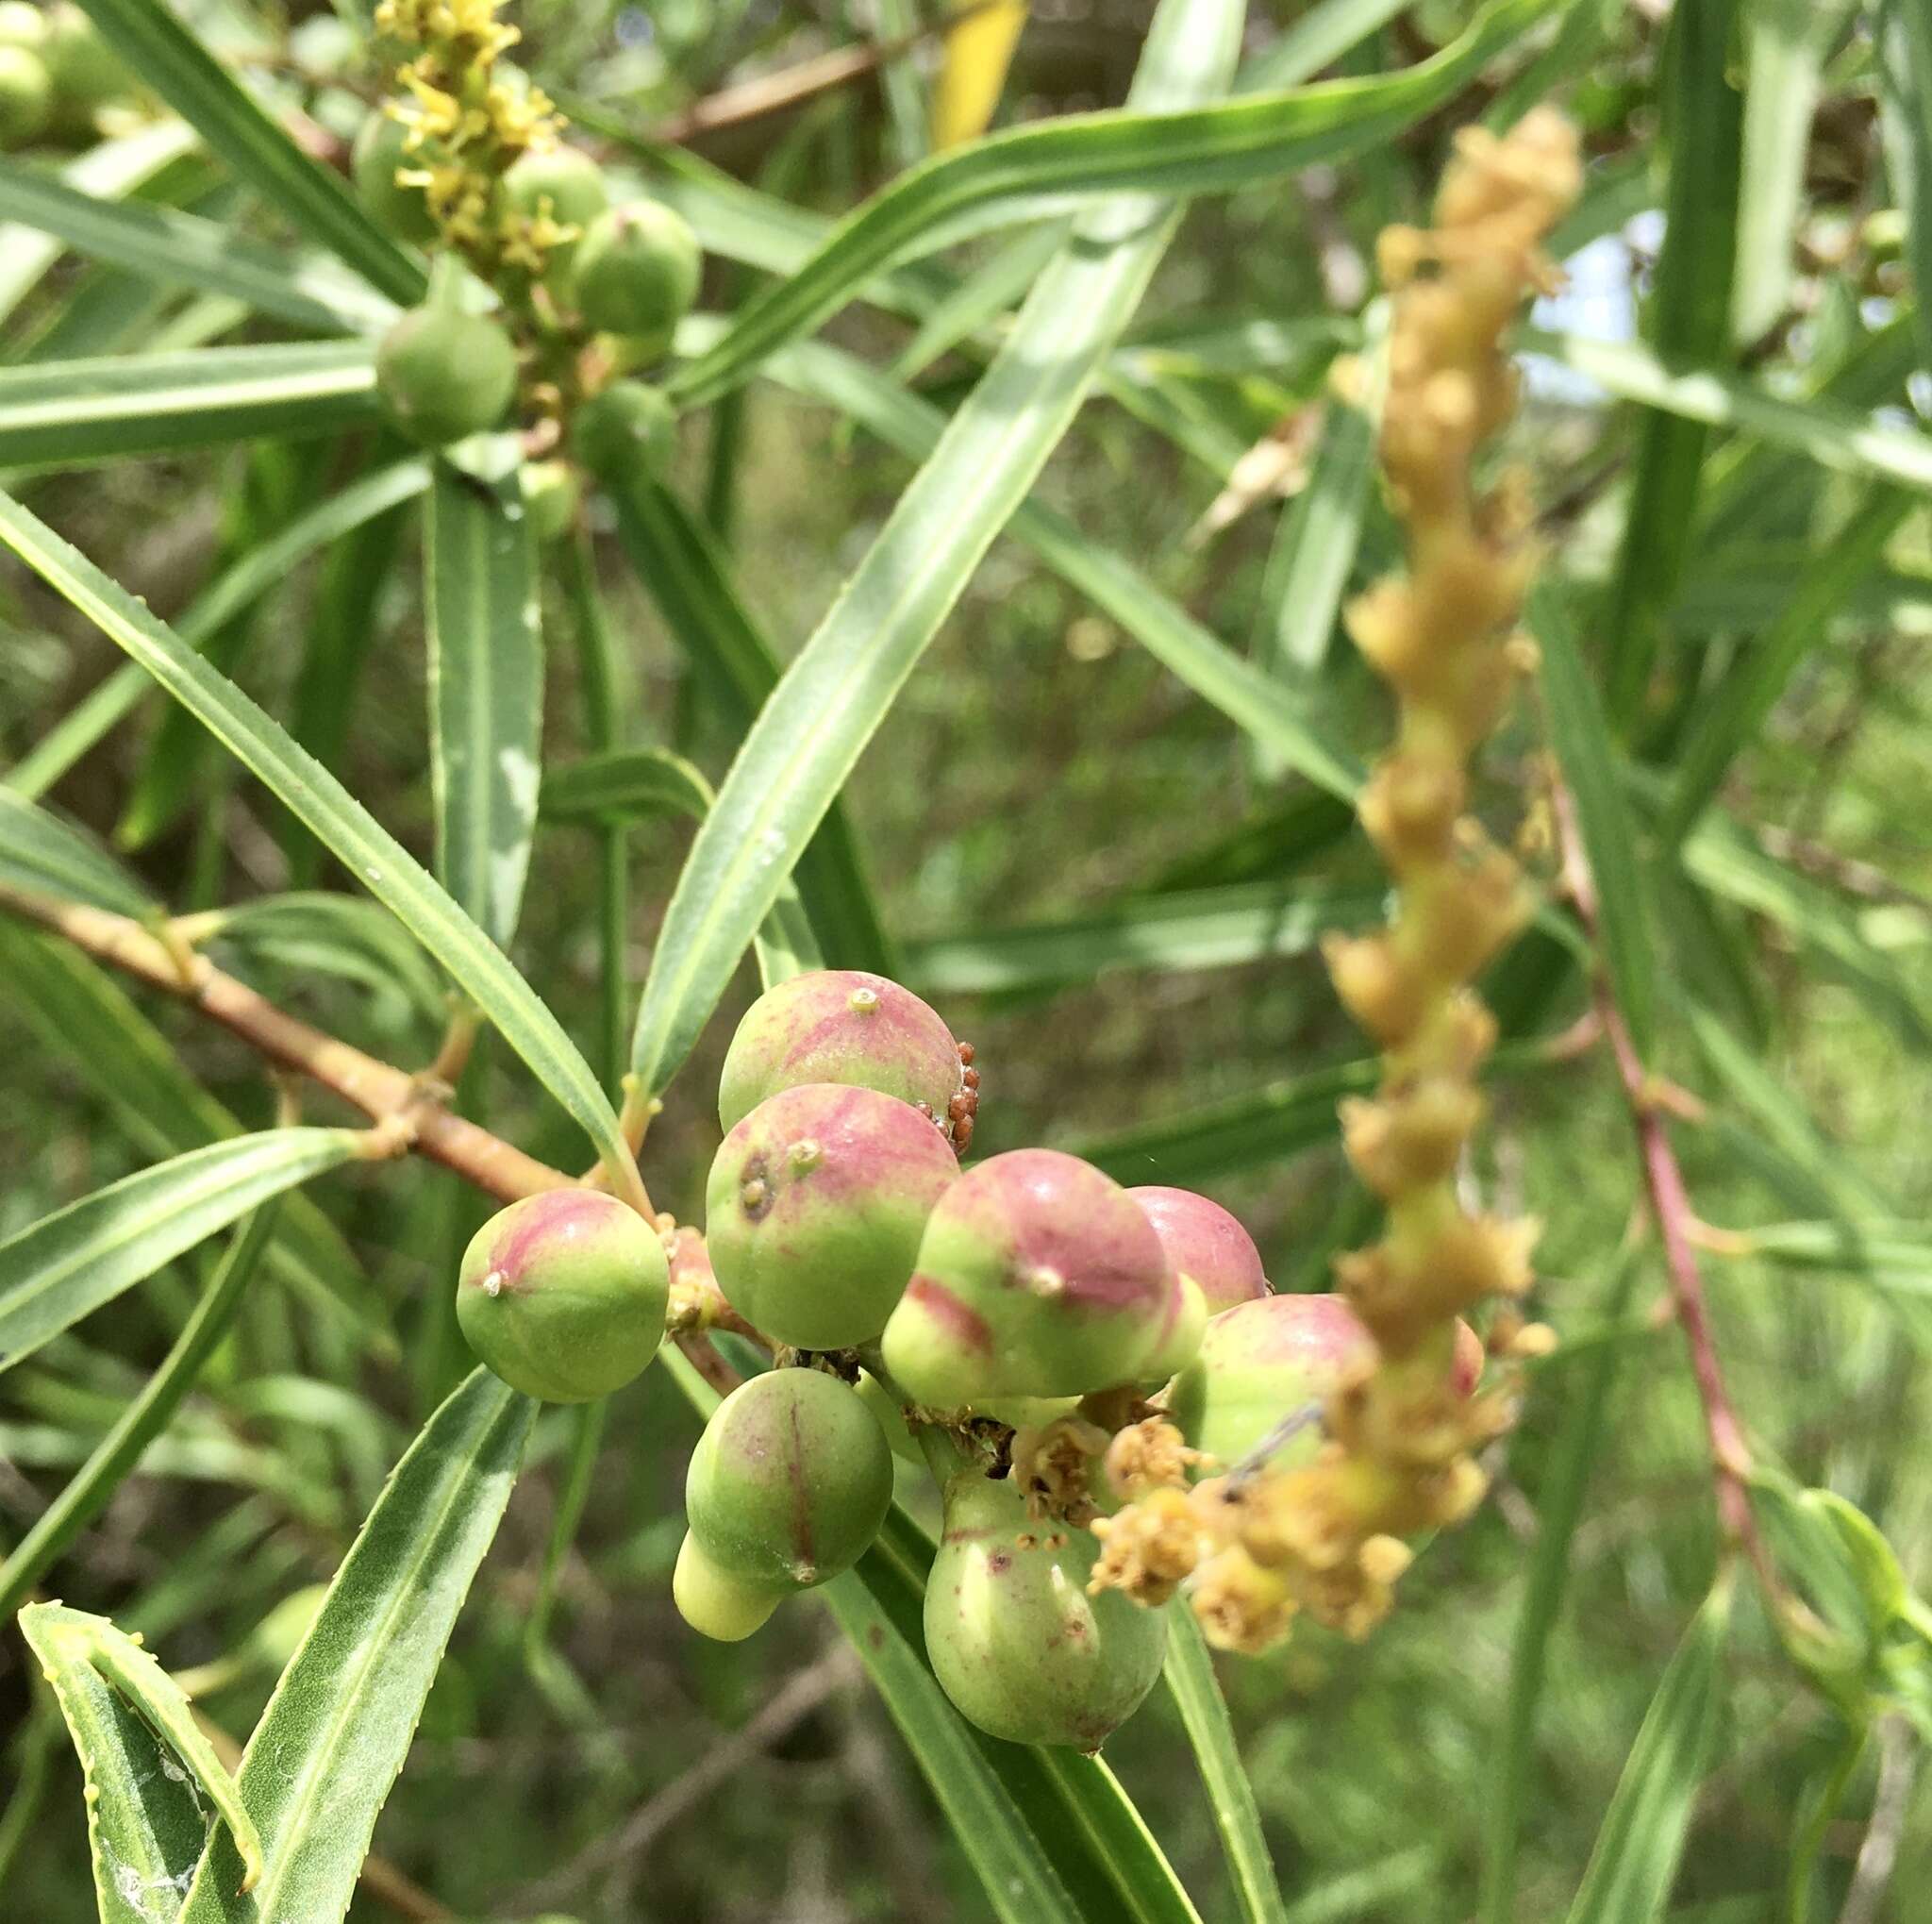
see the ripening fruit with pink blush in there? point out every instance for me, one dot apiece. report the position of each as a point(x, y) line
point(563, 1295)
point(815, 1206)
point(1039, 1276)
point(840, 1025)
point(1203, 1241)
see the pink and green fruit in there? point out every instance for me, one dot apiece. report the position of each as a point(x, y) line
point(563, 1295)
point(627, 430)
point(815, 1206)
point(840, 1025)
point(445, 375)
point(1038, 1275)
point(1015, 1641)
point(374, 161)
point(637, 268)
point(789, 1483)
point(1203, 1241)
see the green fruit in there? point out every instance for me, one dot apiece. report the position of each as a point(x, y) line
point(566, 185)
point(22, 25)
point(891, 1419)
point(789, 1483)
point(1203, 1241)
point(87, 72)
point(637, 268)
point(445, 375)
point(26, 96)
point(551, 496)
point(374, 160)
point(716, 1605)
point(627, 428)
point(1261, 1362)
point(815, 1207)
point(1016, 1642)
point(1038, 1276)
point(840, 1025)
point(563, 1295)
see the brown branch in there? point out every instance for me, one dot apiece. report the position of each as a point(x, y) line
point(1676, 1223)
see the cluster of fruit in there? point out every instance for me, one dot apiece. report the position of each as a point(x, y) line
point(1027, 1326)
point(56, 73)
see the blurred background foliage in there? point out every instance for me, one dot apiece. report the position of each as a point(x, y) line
point(1041, 769)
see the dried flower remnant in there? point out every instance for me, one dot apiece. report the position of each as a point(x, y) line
point(1324, 1536)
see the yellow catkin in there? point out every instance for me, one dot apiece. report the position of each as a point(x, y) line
point(1325, 1537)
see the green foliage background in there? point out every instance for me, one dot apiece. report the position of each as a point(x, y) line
point(1041, 769)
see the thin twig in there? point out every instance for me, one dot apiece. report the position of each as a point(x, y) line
point(1675, 1221)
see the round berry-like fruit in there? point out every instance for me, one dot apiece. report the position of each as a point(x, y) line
point(22, 25)
point(789, 1482)
point(715, 1604)
point(1203, 1241)
point(626, 428)
point(87, 72)
point(840, 1025)
point(445, 375)
point(374, 160)
point(551, 496)
point(814, 1210)
point(637, 268)
point(26, 96)
point(565, 185)
point(1038, 1275)
point(1015, 1641)
point(563, 1295)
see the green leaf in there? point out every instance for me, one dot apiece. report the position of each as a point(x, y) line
point(1736, 713)
point(687, 574)
point(230, 594)
point(178, 249)
point(1689, 322)
point(1509, 1798)
point(340, 935)
point(1904, 67)
point(144, 1756)
point(377, 860)
point(61, 413)
point(333, 1735)
point(1116, 1835)
point(1314, 551)
point(1190, 1681)
point(1635, 1859)
point(1581, 737)
point(171, 60)
point(1209, 928)
point(485, 694)
point(1163, 147)
point(1184, 646)
point(811, 733)
point(43, 855)
point(61, 1268)
point(623, 785)
point(88, 1492)
point(1826, 431)
point(1317, 39)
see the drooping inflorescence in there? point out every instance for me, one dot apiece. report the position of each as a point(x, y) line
point(1319, 1527)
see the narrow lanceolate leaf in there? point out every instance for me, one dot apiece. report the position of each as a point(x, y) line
point(1206, 928)
point(58, 1269)
point(485, 694)
point(1318, 39)
point(1905, 45)
point(836, 693)
point(335, 1731)
point(315, 797)
point(1586, 1384)
point(1308, 570)
point(1167, 146)
point(43, 855)
point(623, 785)
point(171, 60)
point(182, 250)
point(145, 1759)
point(1190, 1681)
point(1581, 738)
point(63, 412)
point(90, 1489)
point(1740, 706)
point(1635, 1860)
point(1690, 321)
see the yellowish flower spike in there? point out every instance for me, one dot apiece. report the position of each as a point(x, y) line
point(1325, 1537)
